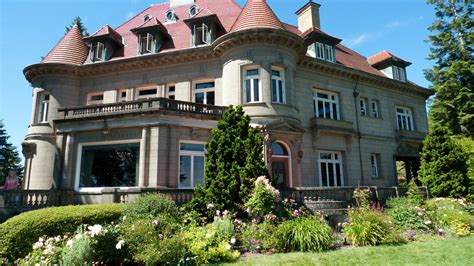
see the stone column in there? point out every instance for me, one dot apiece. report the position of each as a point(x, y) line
point(142, 163)
point(68, 178)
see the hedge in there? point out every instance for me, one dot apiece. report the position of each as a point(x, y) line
point(18, 234)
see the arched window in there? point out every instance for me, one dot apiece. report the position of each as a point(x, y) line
point(146, 17)
point(170, 16)
point(193, 10)
point(280, 165)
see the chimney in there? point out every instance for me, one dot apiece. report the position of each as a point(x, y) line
point(308, 16)
point(174, 3)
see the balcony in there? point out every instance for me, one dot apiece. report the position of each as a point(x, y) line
point(405, 135)
point(152, 105)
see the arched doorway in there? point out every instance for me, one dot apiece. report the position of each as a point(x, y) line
point(280, 163)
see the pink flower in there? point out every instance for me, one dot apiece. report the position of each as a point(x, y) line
point(210, 206)
point(224, 213)
point(254, 221)
point(296, 213)
point(218, 212)
point(154, 222)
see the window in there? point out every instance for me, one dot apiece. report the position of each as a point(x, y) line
point(122, 95)
point(109, 165)
point(204, 93)
point(319, 50)
point(95, 98)
point(171, 92)
point(201, 35)
point(404, 118)
point(146, 43)
point(146, 17)
point(374, 165)
point(43, 110)
point(330, 169)
point(191, 165)
point(278, 86)
point(252, 86)
point(280, 165)
point(170, 16)
point(329, 53)
point(99, 52)
point(399, 73)
point(149, 92)
point(363, 106)
point(326, 104)
point(193, 10)
point(375, 108)
point(325, 52)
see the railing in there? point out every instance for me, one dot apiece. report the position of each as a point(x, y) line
point(34, 199)
point(152, 104)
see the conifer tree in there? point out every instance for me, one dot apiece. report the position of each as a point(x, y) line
point(9, 156)
point(234, 159)
point(452, 75)
point(443, 165)
point(77, 21)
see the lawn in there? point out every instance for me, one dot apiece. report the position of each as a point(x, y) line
point(435, 252)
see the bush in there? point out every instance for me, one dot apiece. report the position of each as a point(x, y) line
point(453, 215)
point(264, 196)
point(152, 205)
point(407, 216)
point(18, 233)
point(366, 227)
point(305, 234)
point(261, 237)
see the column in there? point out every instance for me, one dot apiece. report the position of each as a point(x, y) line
point(142, 163)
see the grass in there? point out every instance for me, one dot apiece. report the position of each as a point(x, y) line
point(436, 252)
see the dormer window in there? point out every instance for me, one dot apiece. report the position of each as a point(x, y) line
point(170, 16)
point(98, 52)
point(322, 51)
point(146, 43)
point(146, 17)
point(201, 35)
point(399, 73)
point(390, 65)
point(151, 35)
point(103, 44)
point(193, 10)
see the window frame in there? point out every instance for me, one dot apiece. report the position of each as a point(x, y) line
point(252, 79)
point(406, 116)
point(173, 16)
point(280, 86)
point(94, 102)
point(319, 50)
point(170, 93)
point(374, 104)
point(196, 10)
point(204, 35)
point(335, 162)
point(119, 95)
point(99, 47)
point(205, 91)
point(44, 108)
point(331, 101)
point(144, 88)
point(363, 106)
point(374, 165)
point(192, 154)
point(329, 53)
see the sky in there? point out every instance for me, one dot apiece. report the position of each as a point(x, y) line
point(29, 29)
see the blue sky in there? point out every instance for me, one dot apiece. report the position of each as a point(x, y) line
point(29, 29)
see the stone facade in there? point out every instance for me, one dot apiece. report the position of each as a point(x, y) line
point(54, 148)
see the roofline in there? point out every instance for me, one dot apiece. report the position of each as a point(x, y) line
point(307, 4)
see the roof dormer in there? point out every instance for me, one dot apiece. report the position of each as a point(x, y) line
point(151, 36)
point(205, 27)
point(390, 65)
point(103, 44)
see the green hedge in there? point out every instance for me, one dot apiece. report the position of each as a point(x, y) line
point(18, 234)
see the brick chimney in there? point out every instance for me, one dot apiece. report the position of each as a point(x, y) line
point(174, 3)
point(308, 16)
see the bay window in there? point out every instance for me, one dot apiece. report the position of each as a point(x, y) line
point(191, 165)
point(326, 104)
point(252, 86)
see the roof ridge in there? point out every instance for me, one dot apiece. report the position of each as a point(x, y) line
point(256, 14)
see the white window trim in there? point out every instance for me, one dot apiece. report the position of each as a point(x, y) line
point(319, 48)
point(144, 88)
point(363, 106)
point(171, 20)
point(408, 115)
point(283, 89)
point(333, 161)
point(79, 162)
point(244, 88)
point(375, 108)
point(374, 167)
point(92, 102)
point(44, 108)
point(99, 47)
point(331, 101)
point(213, 89)
point(192, 154)
point(329, 53)
point(204, 34)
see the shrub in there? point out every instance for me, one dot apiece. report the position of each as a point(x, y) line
point(79, 251)
point(305, 234)
point(406, 216)
point(261, 237)
point(152, 205)
point(18, 233)
point(366, 227)
point(452, 214)
point(169, 250)
point(415, 196)
point(264, 196)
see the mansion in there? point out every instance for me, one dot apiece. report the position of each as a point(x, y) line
point(133, 106)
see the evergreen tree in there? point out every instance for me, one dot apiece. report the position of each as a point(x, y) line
point(234, 159)
point(77, 21)
point(452, 76)
point(9, 156)
point(443, 165)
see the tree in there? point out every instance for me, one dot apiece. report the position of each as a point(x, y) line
point(77, 21)
point(9, 156)
point(443, 165)
point(452, 75)
point(233, 160)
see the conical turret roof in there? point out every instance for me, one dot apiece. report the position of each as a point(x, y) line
point(257, 14)
point(71, 49)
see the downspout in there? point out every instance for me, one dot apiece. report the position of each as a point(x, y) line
point(356, 94)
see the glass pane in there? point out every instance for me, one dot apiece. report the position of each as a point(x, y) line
point(205, 85)
point(278, 149)
point(323, 175)
point(278, 173)
point(185, 171)
point(109, 165)
point(338, 175)
point(199, 97)
point(409, 124)
point(327, 110)
point(247, 91)
point(147, 92)
point(275, 73)
point(320, 109)
point(331, 174)
point(191, 147)
point(198, 170)
point(274, 91)
point(256, 91)
point(280, 94)
point(334, 111)
point(325, 155)
point(322, 96)
point(252, 72)
point(210, 98)
point(171, 88)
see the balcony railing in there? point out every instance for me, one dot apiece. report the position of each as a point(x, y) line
point(138, 106)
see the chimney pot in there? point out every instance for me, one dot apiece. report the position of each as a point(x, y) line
point(308, 16)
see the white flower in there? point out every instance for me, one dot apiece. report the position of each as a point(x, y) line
point(224, 213)
point(41, 240)
point(119, 244)
point(210, 206)
point(228, 247)
point(69, 242)
point(208, 235)
point(57, 239)
point(427, 222)
point(232, 240)
point(94, 230)
point(78, 236)
point(419, 213)
point(218, 212)
point(37, 245)
point(124, 217)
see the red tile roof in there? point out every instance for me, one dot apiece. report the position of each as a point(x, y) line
point(71, 49)
point(257, 14)
point(384, 56)
point(106, 31)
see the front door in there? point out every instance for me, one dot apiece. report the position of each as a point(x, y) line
point(280, 171)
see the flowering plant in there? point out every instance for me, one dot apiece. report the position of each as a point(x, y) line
point(263, 199)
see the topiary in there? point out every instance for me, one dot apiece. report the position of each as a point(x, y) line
point(18, 233)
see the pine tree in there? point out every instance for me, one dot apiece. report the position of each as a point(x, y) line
point(233, 160)
point(452, 76)
point(9, 156)
point(443, 165)
point(77, 21)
